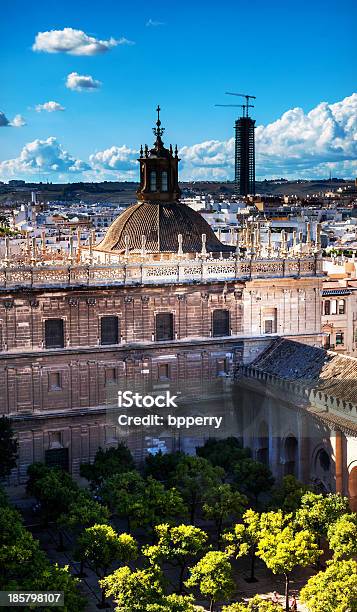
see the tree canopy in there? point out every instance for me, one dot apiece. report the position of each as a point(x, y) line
point(333, 590)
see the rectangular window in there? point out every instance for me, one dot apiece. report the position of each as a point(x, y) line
point(220, 321)
point(110, 376)
point(333, 307)
point(164, 371)
point(109, 330)
point(327, 309)
point(268, 326)
point(54, 333)
point(164, 326)
point(221, 367)
point(341, 307)
point(340, 338)
point(164, 182)
point(153, 186)
point(54, 382)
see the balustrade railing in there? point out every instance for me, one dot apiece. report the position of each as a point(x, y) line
point(180, 271)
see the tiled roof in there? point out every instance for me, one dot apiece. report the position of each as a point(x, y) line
point(315, 368)
point(160, 223)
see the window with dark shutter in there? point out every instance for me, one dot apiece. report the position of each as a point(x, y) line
point(109, 330)
point(221, 323)
point(164, 326)
point(54, 333)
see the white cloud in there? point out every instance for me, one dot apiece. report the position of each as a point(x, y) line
point(17, 121)
point(49, 107)
point(297, 144)
point(153, 23)
point(81, 82)
point(117, 162)
point(47, 156)
point(74, 42)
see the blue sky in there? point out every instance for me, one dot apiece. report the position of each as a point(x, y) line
point(185, 56)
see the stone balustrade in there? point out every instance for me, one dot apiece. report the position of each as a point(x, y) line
point(46, 274)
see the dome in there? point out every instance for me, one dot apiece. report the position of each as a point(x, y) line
point(160, 223)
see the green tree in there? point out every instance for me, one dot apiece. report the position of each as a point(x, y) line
point(282, 548)
point(56, 578)
point(100, 546)
point(178, 546)
point(244, 538)
point(8, 447)
point(223, 453)
point(55, 490)
point(223, 503)
point(252, 478)
point(194, 478)
point(160, 504)
point(333, 590)
point(287, 495)
point(318, 512)
point(213, 576)
point(142, 502)
point(257, 604)
point(162, 465)
point(134, 591)
point(173, 603)
point(342, 536)
point(83, 512)
point(106, 463)
point(124, 493)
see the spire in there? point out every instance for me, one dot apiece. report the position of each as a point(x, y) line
point(158, 130)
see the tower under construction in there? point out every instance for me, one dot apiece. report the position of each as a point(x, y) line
point(245, 156)
point(244, 162)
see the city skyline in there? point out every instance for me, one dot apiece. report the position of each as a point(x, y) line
point(80, 88)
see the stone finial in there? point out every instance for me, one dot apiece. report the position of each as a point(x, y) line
point(43, 242)
point(143, 246)
point(270, 247)
point(308, 234)
point(126, 242)
point(283, 243)
point(78, 244)
point(33, 251)
point(71, 248)
point(91, 248)
point(180, 250)
point(294, 239)
point(232, 236)
point(300, 241)
point(203, 250)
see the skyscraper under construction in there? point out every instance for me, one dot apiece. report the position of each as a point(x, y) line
point(244, 147)
point(245, 154)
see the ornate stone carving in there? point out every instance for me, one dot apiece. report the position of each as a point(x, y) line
point(91, 301)
point(8, 304)
point(128, 299)
point(145, 299)
point(73, 301)
point(205, 296)
point(34, 303)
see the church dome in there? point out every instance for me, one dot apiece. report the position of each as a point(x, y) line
point(159, 220)
point(161, 223)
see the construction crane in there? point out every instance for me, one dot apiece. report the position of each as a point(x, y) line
point(246, 96)
point(244, 106)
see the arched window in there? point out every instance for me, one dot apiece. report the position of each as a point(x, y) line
point(291, 456)
point(164, 182)
point(220, 323)
point(153, 186)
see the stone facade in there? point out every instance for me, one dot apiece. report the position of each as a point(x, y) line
point(60, 394)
